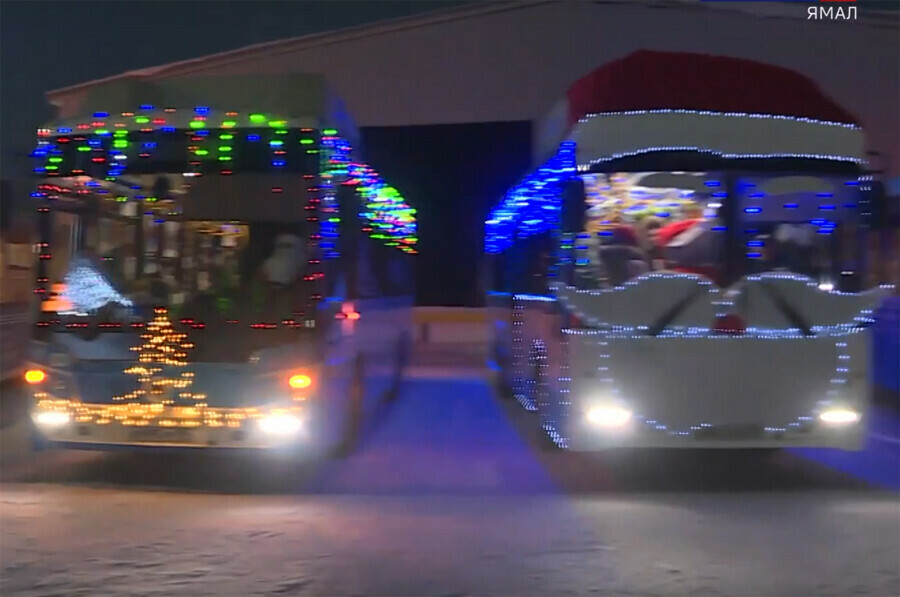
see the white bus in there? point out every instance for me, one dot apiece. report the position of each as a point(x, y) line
point(218, 269)
point(687, 268)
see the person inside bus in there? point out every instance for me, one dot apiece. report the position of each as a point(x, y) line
point(281, 270)
point(693, 215)
point(620, 252)
point(649, 242)
point(796, 244)
point(690, 244)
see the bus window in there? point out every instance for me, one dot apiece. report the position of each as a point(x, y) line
point(638, 222)
point(805, 225)
point(222, 275)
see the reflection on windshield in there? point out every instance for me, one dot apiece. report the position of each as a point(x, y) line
point(639, 222)
point(220, 277)
point(804, 225)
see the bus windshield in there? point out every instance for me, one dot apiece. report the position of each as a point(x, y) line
point(639, 222)
point(234, 271)
point(805, 225)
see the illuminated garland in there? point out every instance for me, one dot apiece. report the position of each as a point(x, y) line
point(388, 217)
point(114, 142)
point(148, 118)
point(722, 299)
point(107, 138)
point(86, 290)
point(392, 220)
point(333, 167)
point(593, 115)
point(532, 206)
point(161, 347)
point(731, 156)
point(798, 424)
point(710, 145)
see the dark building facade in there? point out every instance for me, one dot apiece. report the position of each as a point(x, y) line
point(452, 175)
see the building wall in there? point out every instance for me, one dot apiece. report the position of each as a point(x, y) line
point(514, 64)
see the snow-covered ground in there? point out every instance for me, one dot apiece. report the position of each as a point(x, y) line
point(449, 496)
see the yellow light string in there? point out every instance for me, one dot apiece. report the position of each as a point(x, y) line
point(160, 346)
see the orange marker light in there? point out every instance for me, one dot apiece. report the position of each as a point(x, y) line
point(348, 312)
point(300, 382)
point(34, 376)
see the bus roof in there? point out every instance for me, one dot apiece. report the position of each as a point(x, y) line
point(297, 97)
point(662, 100)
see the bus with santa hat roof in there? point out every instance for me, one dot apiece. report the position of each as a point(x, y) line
point(687, 265)
point(218, 269)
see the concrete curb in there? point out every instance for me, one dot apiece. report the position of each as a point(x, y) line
point(449, 315)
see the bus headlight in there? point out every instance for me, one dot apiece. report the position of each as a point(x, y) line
point(51, 418)
point(839, 416)
point(280, 424)
point(609, 416)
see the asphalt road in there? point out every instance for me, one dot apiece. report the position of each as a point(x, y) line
point(450, 495)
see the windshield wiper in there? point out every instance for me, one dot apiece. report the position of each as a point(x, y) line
point(787, 310)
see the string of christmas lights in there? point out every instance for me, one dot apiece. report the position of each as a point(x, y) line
point(106, 146)
point(532, 206)
point(388, 217)
point(87, 290)
point(161, 348)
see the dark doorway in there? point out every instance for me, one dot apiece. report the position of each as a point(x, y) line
point(452, 175)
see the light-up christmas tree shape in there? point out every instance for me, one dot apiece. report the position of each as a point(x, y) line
point(161, 349)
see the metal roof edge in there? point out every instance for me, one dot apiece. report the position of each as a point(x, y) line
point(325, 38)
point(770, 10)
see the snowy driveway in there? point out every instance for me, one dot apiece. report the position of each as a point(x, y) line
point(450, 497)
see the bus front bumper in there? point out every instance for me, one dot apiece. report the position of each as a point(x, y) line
point(265, 431)
point(591, 437)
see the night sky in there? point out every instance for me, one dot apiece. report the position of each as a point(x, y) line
point(46, 45)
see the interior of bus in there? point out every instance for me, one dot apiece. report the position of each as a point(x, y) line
point(218, 236)
point(638, 222)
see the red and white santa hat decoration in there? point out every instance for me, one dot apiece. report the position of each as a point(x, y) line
point(658, 101)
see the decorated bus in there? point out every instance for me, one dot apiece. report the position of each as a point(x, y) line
point(687, 265)
point(219, 268)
